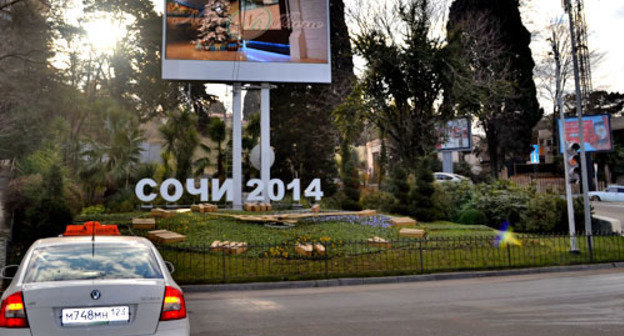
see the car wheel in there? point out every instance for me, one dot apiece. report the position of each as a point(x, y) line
point(595, 198)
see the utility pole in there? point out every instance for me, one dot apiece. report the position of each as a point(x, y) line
point(579, 110)
point(564, 144)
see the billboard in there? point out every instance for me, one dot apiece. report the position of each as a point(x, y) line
point(596, 131)
point(456, 135)
point(247, 41)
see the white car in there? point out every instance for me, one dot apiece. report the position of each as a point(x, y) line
point(102, 285)
point(449, 177)
point(613, 193)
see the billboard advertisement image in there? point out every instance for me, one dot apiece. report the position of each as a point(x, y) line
point(596, 132)
point(456, 135)
point(247, 40)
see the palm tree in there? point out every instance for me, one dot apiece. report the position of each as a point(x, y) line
point(112, 161)
point(204, 162)
point(181, 139)
point(217, 133)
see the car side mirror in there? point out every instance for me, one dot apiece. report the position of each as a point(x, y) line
point(8, 272)
point(170, 266)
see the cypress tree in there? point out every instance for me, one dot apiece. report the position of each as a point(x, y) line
point(301, 123)
point(510, 128)
point(420, 195)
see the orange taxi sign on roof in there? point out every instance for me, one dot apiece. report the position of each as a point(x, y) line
point(89, 228)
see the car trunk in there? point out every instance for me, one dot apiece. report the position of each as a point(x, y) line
point(44, 303)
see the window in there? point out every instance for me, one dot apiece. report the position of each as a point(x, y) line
point(88, 262)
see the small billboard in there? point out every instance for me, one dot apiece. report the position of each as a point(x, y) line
point(456, 135)
point(596, 133)
point(247, 41)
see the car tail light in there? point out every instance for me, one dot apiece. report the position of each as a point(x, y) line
point(13, 312)
point(173, 307)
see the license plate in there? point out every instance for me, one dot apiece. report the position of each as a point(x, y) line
point(95, 315)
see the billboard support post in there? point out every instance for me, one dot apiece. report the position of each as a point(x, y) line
point(447, 162)
point(237, 165)
point(265, 138)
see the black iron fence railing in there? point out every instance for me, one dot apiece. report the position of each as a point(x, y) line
point(294, 261)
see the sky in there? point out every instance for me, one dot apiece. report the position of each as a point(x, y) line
point(605, 20)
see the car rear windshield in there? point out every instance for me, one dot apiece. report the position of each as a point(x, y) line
point(87, 262)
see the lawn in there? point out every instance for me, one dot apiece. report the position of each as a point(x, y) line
point(272, 254)
point(204, 229)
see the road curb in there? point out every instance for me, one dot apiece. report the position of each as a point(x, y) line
point(392, 279)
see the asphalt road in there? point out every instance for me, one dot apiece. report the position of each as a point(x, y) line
point(609, 209)
point(581, 303)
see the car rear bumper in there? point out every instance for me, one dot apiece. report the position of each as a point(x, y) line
point(14, 332)
point(166, 328)
point(173, 328)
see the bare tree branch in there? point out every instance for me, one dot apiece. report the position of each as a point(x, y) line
point(5, 5)
point(22, 56)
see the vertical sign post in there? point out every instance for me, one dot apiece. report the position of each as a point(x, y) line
point(265, 138)
point(237, 165)
point(447, 162)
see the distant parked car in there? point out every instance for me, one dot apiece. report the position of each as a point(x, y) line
point(613, 193)
point(449, 177)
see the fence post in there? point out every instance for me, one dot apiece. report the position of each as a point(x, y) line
point(509, 254)
point(420, 251)
point(590, 246)
point(223, 263)
point(326, 257)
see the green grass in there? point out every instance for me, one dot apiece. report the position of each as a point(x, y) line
point(204, 229)
point(415, 257)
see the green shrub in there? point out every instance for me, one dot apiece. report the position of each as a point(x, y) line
point(400, 189)
point(350, 205)
point(451, 198)
point(463, 168)
point(543, 214)
point(41, 208)
point(421, 194)
point(97, 209)
point(121, 201)
point(350, 178)
point(378, 200)
point(500, 202)
point(333, 202)
point(472, 217)
point(48, 218)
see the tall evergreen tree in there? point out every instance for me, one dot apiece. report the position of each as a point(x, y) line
point(303, 134)
point(509, 127)
point(406, 75)
point(26, 81)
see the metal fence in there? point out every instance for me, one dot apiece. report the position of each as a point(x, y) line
point(203, 264)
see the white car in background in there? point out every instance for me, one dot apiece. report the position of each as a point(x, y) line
point(613, 193)
point(102, 285)
point(449, 177)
